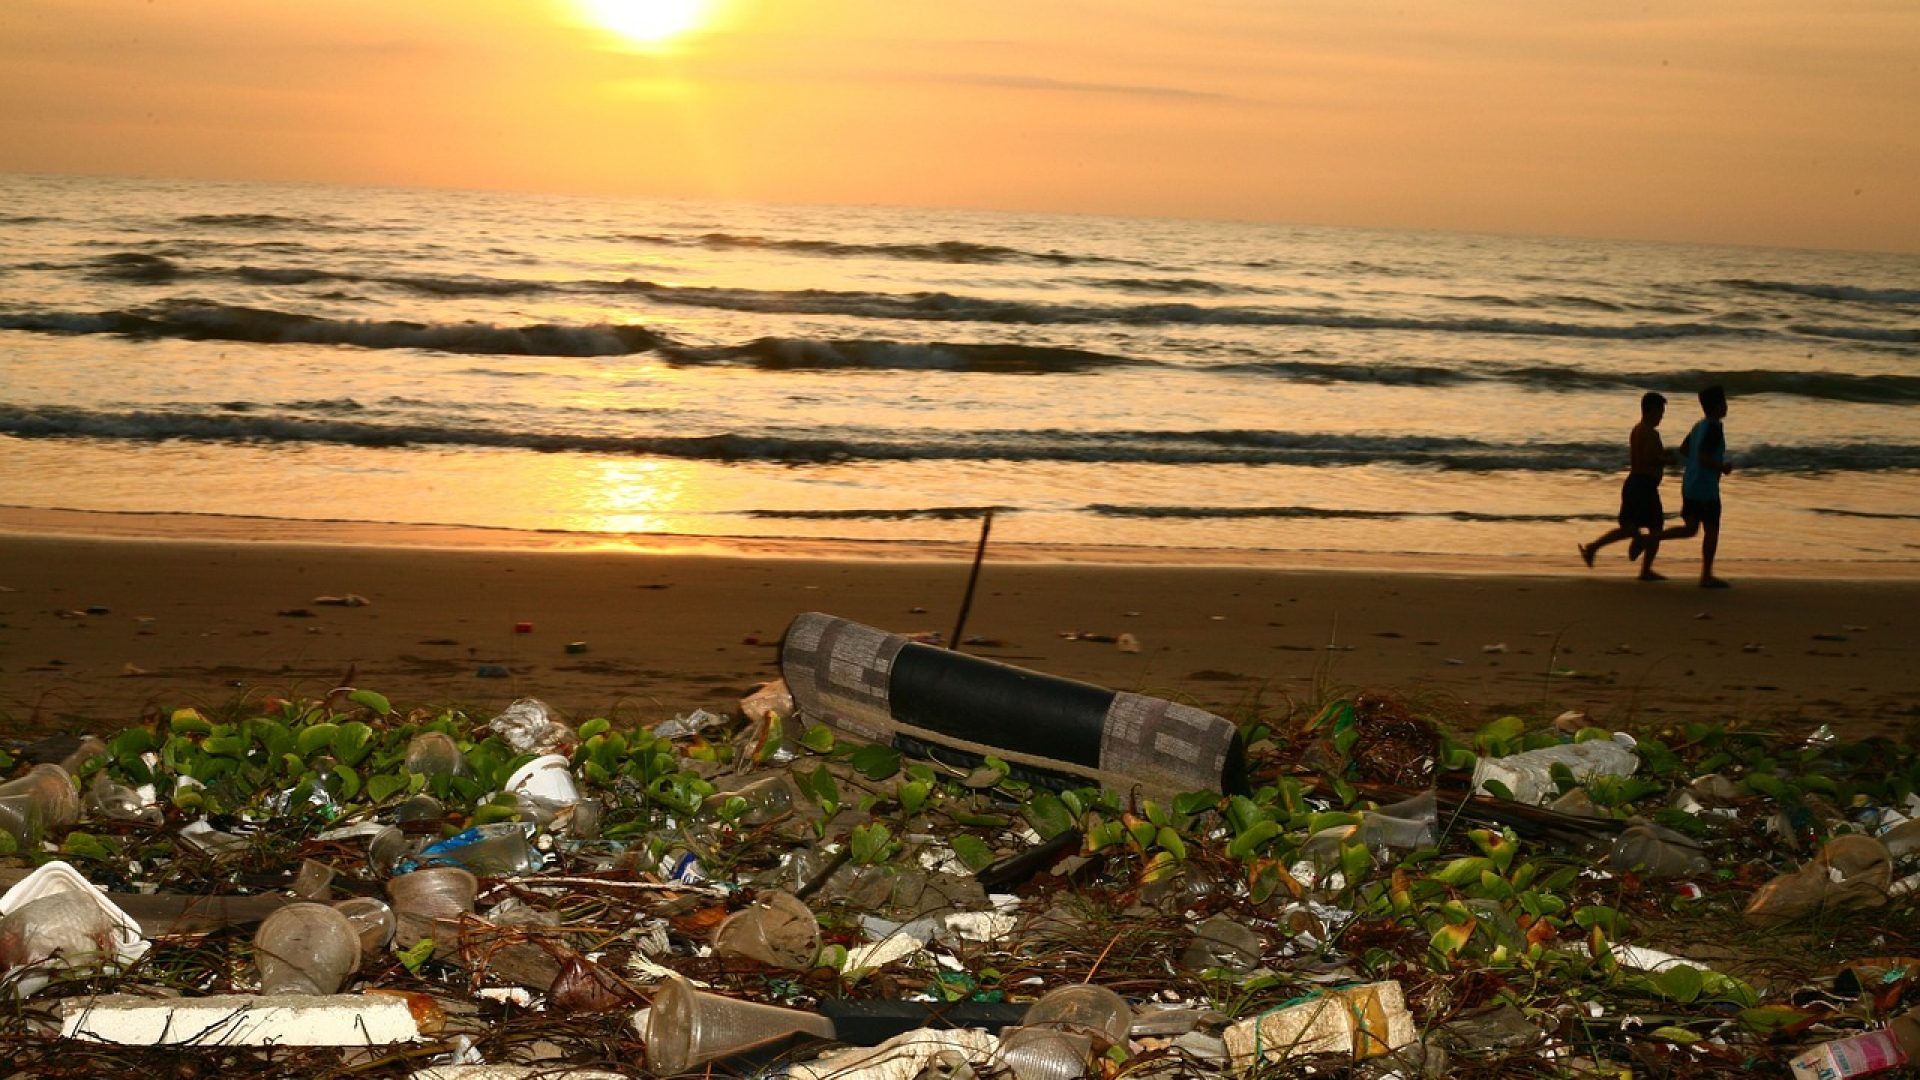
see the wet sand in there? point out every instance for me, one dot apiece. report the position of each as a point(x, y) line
point(105, 617)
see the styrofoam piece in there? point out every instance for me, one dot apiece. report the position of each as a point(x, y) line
point(902, 1057)
point(545, 777)
point(240, 1020)
point(883, 952)
point(1528, 774)
point(57, 878)
point(509, 1073)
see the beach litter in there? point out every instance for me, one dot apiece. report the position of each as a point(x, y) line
point(763, 891)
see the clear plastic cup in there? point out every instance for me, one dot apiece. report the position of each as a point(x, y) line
point(688, 1027)
point(427, 894)
point(305, 949)
point(779, 930)
point(42, 804)
point(373, 920)
point(1044, 1053)
point(434, 753)
point(1084, 1007)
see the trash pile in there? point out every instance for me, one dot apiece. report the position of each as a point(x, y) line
point(900, 862)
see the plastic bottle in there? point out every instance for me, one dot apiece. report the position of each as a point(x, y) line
point(305, 949)
point(1529, 774)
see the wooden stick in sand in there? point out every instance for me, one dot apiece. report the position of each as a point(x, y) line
point(966, 602)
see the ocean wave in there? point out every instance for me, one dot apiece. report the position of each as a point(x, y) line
point(251, 221)
point(1852, 293)
point(1889, 335)
point(135, 266)
point(940, 251)
point(952, 307)
point(801, 446)
point(197, 320)
point(799, 354)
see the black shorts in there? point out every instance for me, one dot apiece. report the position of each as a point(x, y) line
point(1640, 503)
point(1700, 511)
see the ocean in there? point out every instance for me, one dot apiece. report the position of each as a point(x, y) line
point(604, 367)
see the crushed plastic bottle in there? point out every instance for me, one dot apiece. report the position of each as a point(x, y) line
point(529, 728)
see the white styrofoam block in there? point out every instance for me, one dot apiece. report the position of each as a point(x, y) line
point(240, 1020)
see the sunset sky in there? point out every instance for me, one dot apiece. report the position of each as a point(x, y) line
point(1740, 121)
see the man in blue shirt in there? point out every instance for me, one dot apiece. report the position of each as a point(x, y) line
point(1705, 454)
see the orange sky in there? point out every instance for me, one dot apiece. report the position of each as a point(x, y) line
point(1741, 121)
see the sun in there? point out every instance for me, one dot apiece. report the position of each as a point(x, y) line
point(647, 22)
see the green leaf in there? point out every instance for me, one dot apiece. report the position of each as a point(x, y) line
point(1597, 915)
point(1105, 834)
point(1767, 784)
point(1496, 737)
point(130, 743)
point(1355, 861)
point(593, 727)
point(818, 738)
point(415, 956)
point(972, 850)
point(188, 722)
point(314, 738)
point(1048, 815)
point(1194, 802)
point(871, 844)
point(1168, 840)
point(913, 795)
point(346, 783)
point(371, 700)
point(1677, 1035)
point(1463, 870)
point(80, 845)
point(1771, 1019)
point(875, 762)
point(352, 742)
point(384, 786)
point(1251, 841)
point(820, 786)
point(1681, 982)
point(1452, 937)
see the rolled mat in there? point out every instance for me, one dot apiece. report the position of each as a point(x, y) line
point(922, 699)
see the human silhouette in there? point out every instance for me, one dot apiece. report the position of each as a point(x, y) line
point(1705, 453)
point(1641, 516)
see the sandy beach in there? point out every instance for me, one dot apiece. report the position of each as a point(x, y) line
point(104, 617)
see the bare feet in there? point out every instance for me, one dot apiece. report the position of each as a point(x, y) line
point(1586, 554)
point(1652, 575)
point(1710, 582)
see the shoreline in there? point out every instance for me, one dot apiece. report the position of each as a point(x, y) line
point(100, 628)
point(176, 527)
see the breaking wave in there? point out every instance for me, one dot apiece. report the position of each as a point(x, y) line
point(940, 251)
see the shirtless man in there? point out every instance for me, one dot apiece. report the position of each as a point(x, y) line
point(1641, 515)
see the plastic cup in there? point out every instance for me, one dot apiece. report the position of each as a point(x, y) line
point(427, 894)
point(44, 803)
point(372, 920)
point(421, 814)
point(1084, 1007)
point(1044, 1053)
point(688, 1027)
point(305, 949)
point(434, 753)
point(779, 930)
